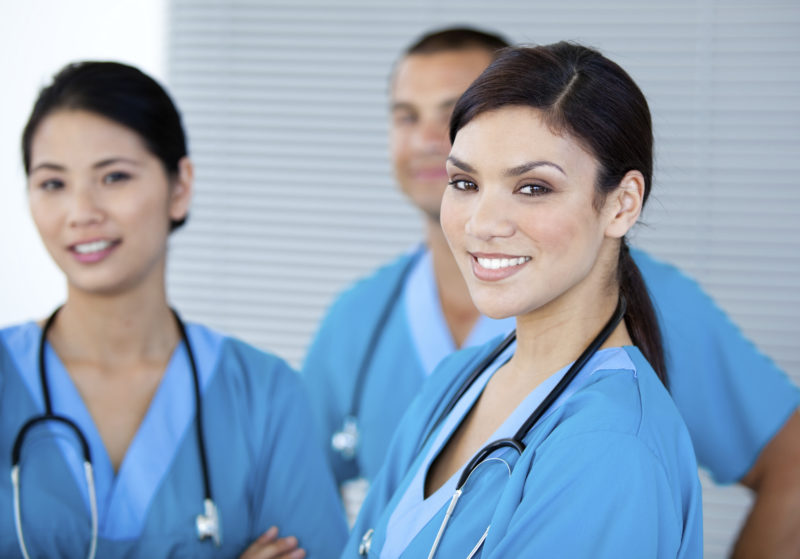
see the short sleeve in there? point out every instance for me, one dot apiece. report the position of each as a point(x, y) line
point(732, 397)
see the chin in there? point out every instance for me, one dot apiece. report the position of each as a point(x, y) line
point(497, 311)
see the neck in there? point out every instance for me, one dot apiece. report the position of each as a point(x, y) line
point(459, 311)
point(114, 330)
point(555, 335)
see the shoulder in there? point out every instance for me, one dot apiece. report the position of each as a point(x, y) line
point(624, 399)
point(20, 335)
point(376, 285)
point(19, 345)
point(350, 321)
point(225, 359)
point(665, 280)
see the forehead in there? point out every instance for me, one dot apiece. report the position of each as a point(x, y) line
point(75, 132)
point(511, 136)
point(436, 76)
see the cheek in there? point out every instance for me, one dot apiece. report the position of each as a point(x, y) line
point(453, 218)
point(146, 214)
point(555, 230)
point(583, 238)
point(398, 142)
point(45, 215)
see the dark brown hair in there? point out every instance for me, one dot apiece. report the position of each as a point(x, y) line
point(584, 94)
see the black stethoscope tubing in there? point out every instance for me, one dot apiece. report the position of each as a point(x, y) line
point(377, 332)
point(198, 402)
point(48, 414)
point(48, 407)
point(516, 442)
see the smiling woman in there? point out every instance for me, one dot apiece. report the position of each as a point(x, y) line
point(99, 199)
point(191, 440)
point(561, 440)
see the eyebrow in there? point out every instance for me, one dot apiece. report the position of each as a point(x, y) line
point(47, 167)
point(460, 164)
point(113, 160)
point(99, 165)
point(407, 106)
point(513, 172)
point(530, 165)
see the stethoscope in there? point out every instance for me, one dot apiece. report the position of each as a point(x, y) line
point(345, 440)
point(208, 523)
point(514, 443)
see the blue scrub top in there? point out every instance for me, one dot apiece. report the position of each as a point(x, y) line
point(257, 427)
point(732, 397)
point(609, 471)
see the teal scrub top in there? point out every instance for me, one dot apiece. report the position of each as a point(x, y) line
point(265, 468)
point(608, 472)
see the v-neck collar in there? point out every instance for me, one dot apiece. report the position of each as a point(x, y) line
point(414, 510)
point(123, 499)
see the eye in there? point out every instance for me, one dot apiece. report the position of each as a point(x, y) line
point(463, 184)
point(51, 184)
point(115, 177)
point(404, 118)
point(534, 189)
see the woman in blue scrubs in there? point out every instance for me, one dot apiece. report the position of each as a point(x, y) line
point(550, 166)
point(199, 442)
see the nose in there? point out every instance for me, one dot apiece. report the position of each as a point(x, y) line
point(490, 216)
point(85, 207)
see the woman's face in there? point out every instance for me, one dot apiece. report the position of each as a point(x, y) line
point(102, 202)
point(519, 214)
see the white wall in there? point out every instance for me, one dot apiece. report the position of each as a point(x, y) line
point(37, 37)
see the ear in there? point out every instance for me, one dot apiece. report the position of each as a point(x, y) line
point(182, 189)
point(624, 204)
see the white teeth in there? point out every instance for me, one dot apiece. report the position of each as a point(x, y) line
point(94, 246)
point(497, 263)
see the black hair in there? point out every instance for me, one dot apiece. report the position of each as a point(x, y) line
point(121, 93)
point(584, 94)
point(456, 38)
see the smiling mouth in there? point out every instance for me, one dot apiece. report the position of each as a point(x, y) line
point(94, 246)
point(500, 263)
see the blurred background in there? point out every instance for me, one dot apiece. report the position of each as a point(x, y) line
point(286, 109)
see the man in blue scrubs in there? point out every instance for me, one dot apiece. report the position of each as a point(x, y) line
point(384, 335)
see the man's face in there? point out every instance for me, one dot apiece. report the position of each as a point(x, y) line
point(424, 91)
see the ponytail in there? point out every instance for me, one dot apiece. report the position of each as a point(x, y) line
point(640, 318)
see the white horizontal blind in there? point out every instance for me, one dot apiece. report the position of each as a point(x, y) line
point(285, 103)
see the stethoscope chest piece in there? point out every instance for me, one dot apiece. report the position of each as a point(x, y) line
point(208, 525)
point(345, 440)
